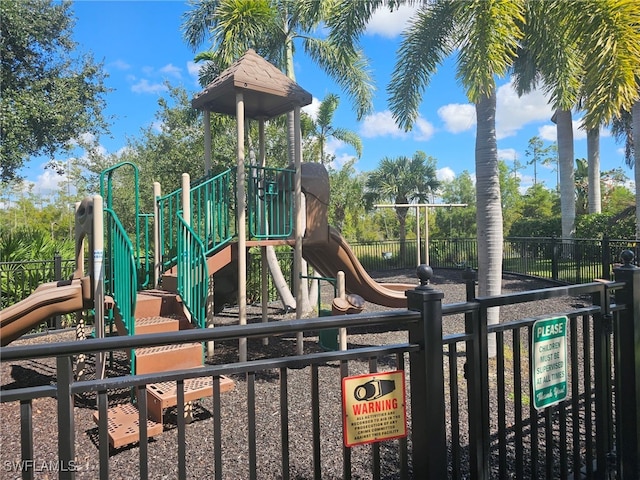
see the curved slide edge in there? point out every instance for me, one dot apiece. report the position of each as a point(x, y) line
point(329, 259)
point(48, 300)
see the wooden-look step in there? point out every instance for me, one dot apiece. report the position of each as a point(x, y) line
point(158, 303)
point(157, 324)
point(168, 357)
point(165, 394)
point(123, 424)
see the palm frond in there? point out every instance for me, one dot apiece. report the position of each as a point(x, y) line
point(348, 67)
point(426, 43)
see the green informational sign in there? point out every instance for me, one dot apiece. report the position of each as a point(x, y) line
point(549, 355)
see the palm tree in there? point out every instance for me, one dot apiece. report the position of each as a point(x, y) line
point(626, 127)
point(402, 181)
point(485, 36)
point(564, 52)
point(323, 129)
point(273, 28)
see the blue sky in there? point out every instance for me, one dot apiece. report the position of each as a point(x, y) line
point(141, 45)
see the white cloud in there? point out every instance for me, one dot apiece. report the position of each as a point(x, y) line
point(312, 108)
point(380, 124)
point(507, 154)
point(423, 130)
point(172, 70)
point(548, 132)
point(513, 112)
point(458, 117)
point(390, 24)
point(120, 65)
point(445, 174)
point(144, 86)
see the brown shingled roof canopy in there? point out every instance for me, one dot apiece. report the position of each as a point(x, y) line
point(267, 91)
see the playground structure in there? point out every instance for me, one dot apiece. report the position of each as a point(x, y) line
point(171, 283)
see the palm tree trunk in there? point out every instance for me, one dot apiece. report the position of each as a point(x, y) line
point(593, 162)
point(567, 178)
point(489, 208)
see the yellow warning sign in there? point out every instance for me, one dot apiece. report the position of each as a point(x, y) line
point(373, 407)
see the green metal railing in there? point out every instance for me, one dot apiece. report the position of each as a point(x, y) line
point(143, 268)
point(270, 202)
point(168, 207)
point(211, 211)
point(121, 279)
point(193, 275)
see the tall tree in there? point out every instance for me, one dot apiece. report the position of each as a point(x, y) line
point(402, 181)
point(581, 53)
point(539, 154)
point(626, 127)
point(323, 129)
point(485, 36)
point(48, 95)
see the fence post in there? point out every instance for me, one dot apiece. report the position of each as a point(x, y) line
point(628, 361)
point(606, 258)
point(427, 381)
point(554, 258)
point(57, 274)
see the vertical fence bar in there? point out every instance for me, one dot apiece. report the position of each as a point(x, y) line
point(26, 438)
point(346, 451)
point(284, 423)
point(217, 429)
point(315, 420)
point(628, 378)
point(251, 419)
point(66, 420)
point(427, 393)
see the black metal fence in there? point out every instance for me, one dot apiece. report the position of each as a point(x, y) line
point(470, 414)
point(19, 279)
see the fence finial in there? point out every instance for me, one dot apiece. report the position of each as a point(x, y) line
point(627, 256)
point(424, 272)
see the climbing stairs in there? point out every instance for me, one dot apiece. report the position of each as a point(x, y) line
point(159, 311)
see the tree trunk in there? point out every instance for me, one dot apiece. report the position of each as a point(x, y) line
point(489, 208)
point(567, 178)
point(593, 162)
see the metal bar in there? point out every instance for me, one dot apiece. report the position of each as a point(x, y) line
point(182, 442)
point(26, 439)
point(66, 420)
point(575, 399)
point(548, 431)
point(454, 412)
point(251, 419)
point(346, 451)
point(315, 422)
point(501, 400)
point(533, 413)
point(217, 429)
point(284, 423)
point(144, 438)
point(103, 433)
point(403, 443)
point(588, 402)
point(375, 447)
point(517, 403)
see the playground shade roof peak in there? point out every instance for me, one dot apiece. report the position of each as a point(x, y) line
point(266, 90)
